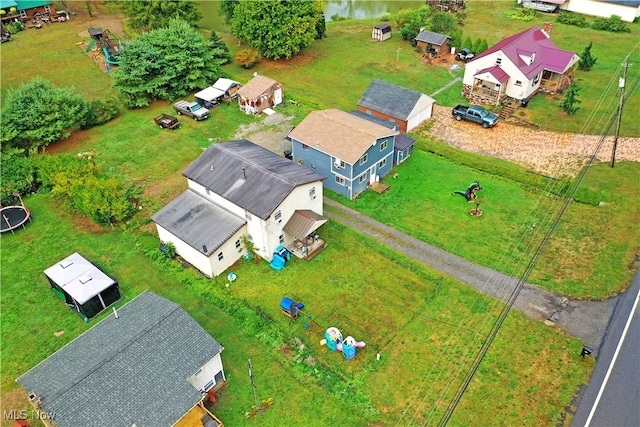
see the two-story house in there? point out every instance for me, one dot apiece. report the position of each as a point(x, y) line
point(237, 189)
point(518, 67)
point(350, 151)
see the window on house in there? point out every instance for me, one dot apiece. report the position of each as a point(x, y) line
point(281, 239)
point(278, 217)
point(384, 144)
point(300, 161)
point(518, 83)
point(364, 159)
point(312, 193)
point(23, 14)
point(313, 165)
point(536, 79)
point(498, 61)
point(337, 163)
point(247, 215)
point(369, 112)
point(47, 9)
point(339, 180)
point(382, 163)
point(362, 178)
point(305, 147)
point(220, 256)
point(238, 245)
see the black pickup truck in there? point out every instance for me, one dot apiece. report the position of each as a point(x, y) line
point(475, 114)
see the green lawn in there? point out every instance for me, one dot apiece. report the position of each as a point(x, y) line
point(426, 327)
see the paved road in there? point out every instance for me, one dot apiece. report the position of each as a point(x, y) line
point(612, 397)
point(587, 320)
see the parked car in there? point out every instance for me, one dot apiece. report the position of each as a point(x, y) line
point(191, 109)
point(465, 55)
point(475, 114)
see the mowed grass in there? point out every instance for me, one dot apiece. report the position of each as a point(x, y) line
point(424, 325)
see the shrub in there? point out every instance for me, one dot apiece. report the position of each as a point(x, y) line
point(247, 58)
point(571, 18)
point(522, 14)
point(100, 112)
point(14, 27)
point(104, 201)
point(614, 24)
point(336, 18)
point(19, 174)
point(587, 61)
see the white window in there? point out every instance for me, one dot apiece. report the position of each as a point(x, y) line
point(536, 79)
point(23, 14)
point(247, 215)
point(47, 9)
point(305, 147)
point(281, 239)
point(362, 177)
point(338, 164)
point(339, 180)
point(364, 159)
point(382, 163)
point(300, 161)
point(518, 83)
point(312, 193)
point(313, 165)
point(220, 256)
point(384, 144)
point(278, 217)
point(238, 245)
point(498, 61)
point(369, 112)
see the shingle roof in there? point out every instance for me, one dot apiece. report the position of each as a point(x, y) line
point(200, 223)
point(256, 87)
point(377, 120)
point(431, 37)
point(248, 175)
point(133, 369)
point(394, 100)
point(403, 142)
point(533, 42)
point(338, 133)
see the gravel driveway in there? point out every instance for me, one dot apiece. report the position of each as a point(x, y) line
point(549, 153)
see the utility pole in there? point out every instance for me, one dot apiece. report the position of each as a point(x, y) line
point(620, 105)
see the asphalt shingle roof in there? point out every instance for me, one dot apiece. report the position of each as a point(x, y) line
point(249, 175)
point(394, 100)
point(128, 370)
point(431, 37)
point(339, 133)
point(200, 223)
point(256, 87)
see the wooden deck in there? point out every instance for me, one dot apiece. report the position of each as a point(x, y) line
point(379, 187)
point(308, 251)
point(194, 416)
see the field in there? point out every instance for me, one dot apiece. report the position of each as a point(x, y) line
point(426, 327)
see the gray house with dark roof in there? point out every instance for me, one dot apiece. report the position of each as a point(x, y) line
point(236, 189)
point(147, 365)
point(430, 42)
point(403, 144)
point(405, 107)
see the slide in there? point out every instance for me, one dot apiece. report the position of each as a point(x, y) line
point(108, 57)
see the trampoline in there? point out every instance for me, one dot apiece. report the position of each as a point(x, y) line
point(13, 217)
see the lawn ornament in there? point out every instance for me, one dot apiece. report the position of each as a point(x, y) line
point(333, 340)
point(470, 194)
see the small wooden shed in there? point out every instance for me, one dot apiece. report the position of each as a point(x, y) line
point(261, 92)
point(381, 32)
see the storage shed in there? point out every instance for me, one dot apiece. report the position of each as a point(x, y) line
point(381, 32)
point(260, 93)
point(432, 43)
point(82, 286)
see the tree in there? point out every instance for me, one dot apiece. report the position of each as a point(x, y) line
point(277, 28)
point(570, 99)
point(219, 49)
point(587, 61)
point(414, 22)
point(476, 46)
point(482, 46)
point(456, 39)
point(226, 9)
point(442, 23)
point(37, 114)
point(155, 14)
point(167, 63)
point(247, 58)
point(468, 44)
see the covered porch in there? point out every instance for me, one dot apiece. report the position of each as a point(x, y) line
point(489, 84)
point(553, 83)
point(301, 238)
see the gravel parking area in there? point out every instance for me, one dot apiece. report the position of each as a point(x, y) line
point(550, 153)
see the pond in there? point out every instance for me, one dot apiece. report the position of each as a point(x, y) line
point(355, 9)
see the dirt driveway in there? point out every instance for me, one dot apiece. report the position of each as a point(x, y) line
point(550, 153)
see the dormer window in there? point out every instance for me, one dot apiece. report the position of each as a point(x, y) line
point(498, 61)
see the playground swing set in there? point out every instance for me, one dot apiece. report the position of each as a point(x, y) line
point(110, 47)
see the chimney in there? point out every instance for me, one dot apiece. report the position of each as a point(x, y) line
point(547, 28)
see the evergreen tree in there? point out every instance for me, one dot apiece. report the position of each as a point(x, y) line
point(442, 23)
point(456, 39)
point(476, 46)
point(155, 14)
point(482, 46)
point(219, 48)
point(587, 61)
point(468, 44)
point(570, 99)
